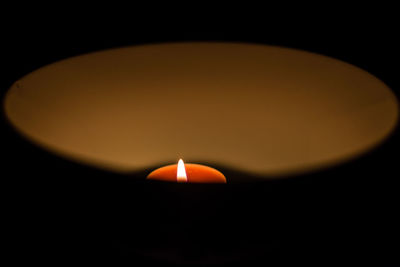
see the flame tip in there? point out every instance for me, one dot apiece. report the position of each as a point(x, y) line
point(181, 172)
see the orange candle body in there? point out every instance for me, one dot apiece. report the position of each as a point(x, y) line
point(196, 173)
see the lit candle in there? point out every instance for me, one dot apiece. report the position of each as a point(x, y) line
point(192, 173)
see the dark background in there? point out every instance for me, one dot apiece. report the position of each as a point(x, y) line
point(56, 211)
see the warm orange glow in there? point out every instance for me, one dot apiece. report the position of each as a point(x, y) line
point(187, 173)
point(181, 173)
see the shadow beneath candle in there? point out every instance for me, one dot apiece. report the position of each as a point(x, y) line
point(246, 221)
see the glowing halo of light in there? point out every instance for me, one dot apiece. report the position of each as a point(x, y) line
point(265, 110)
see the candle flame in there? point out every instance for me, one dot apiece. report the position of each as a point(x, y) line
point(181, 173)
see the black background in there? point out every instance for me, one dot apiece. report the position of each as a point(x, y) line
point(56, 211)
